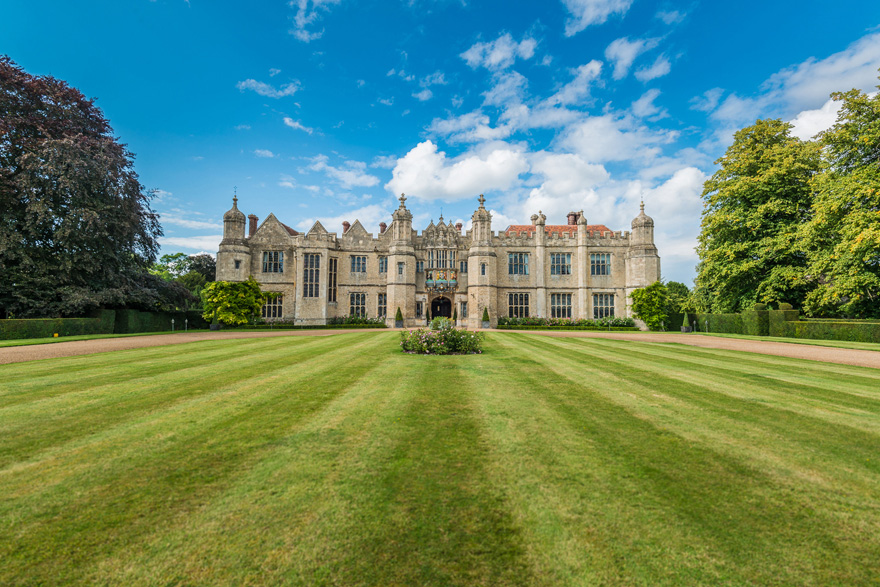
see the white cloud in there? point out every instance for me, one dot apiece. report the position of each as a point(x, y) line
point(568, 184)
point(177, 220)
point(424, 95)
point(708, 100)
point(578, 89)
point(435, 79)
point(243, 127)
point(644, 107)
point(307, 13)
point(614, 138)
point(508, 88)
point(588, 12)
point(671, 16)
point(369, 216)
point(428, 174)
point(471, 127)
point(623, 52)
point(352, 174)
point(384, 161)
point(809, 123)
point(268, 90)
point(297, 125)
point(160, 195)
point(273, 72)
point(209, 242)
point(264, 153)
point(361, 83)
point(660, 68)
point(500, 53)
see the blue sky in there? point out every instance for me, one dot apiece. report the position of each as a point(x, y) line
point(328, 109)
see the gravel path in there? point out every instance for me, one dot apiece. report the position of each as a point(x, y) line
point(798, 351)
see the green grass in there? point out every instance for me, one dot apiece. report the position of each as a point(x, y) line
point(53, 339)
point(840, 344)
point(339, 460)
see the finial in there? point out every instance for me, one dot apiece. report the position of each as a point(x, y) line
point(642, 207)
point(481, 200)
point(235, 196)
point(402, 199)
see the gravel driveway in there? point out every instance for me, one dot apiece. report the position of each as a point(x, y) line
point(798, 351)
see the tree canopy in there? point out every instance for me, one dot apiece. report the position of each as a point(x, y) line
point(233, 302)
point(754, 206)
point(843, 237)
point(76, 228)
point(651, 305)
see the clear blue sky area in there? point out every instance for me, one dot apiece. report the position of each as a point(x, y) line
point(328, 109)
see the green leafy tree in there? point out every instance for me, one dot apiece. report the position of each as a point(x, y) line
point(233, 302)
point(171, 266)
point(753, 208)
point(650, 304)
point(843, 237)
point(678, 297)
point(76, 228)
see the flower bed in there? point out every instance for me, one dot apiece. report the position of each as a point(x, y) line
point(565, 323)
point(441, 339)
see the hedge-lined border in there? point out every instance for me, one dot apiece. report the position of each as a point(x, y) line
point(594, 328)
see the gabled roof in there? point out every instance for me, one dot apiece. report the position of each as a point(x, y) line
point(317, 228)
point(570, 229)
point(356, 229)
point(289, 230)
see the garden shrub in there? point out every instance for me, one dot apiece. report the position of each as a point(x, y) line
point(828, 330)
point(355, 319)
point(725, 323)
point(584, 324)
point(442, 341)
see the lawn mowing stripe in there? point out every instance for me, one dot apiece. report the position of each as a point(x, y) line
point(581, 522)
point(851, 448)
point(159, 470)
point(383, 486)
point(757, 522)
point(846, 396)
point(67, 417)
point(60, 376)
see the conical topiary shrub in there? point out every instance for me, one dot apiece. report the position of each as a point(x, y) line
point(485, 317)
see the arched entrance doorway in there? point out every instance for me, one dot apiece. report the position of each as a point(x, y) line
point(441, 307)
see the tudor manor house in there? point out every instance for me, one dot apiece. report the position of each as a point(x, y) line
point(574, 270)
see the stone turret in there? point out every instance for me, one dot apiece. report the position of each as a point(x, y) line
point(234, 254)
point(401, 274)
point(482, 266)
point(642, 260)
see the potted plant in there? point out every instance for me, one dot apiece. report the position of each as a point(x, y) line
point(215, 323)
point(398, 319)
point(485, 317)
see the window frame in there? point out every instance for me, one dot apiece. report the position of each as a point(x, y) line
point(518, 304)
point(311, 275)
point(273, 308)
point(560, 263)
point(600, 264)
point(560, 305)
point(605, 309)
point(357, 304)
point(332, 279)
point(518, 263)
point(273, 261)
point(358, 263)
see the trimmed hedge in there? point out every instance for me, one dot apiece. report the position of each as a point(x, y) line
point(14, 329)
point(779, 318)
point(850, 331)
point(756, 322)
point(105, 322)
point(726, 323)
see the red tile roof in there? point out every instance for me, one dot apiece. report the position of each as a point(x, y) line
point(570, 229)
point(290, 231)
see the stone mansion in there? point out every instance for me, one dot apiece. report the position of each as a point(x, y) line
point(574, 270)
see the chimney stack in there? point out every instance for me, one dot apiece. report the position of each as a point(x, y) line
point(252, 226)
point(573, 218)
point(458, 226)
point(345, 227)
point(382, 227)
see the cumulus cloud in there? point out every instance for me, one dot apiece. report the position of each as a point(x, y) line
point(268, 90)
point(429, 174)
point(500, 53)
point(614, 138)
point(209, 242)
point(660, 68)
point(589, 12)
point(809, 123)
point(671, 16)
point(578, 89)
point(351, 174)
point(708, 100)
point(264, 153)
point(307, 13)
point(295, 124)
point(177, 219)
point(623, 52)
point(273, 72)
point(644, 107)
point(424, 95)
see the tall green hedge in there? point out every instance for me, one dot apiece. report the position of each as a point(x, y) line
point(851, 331)
point(133, 321)
point(725, 323)
point(101, 323)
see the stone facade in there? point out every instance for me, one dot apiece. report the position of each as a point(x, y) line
point(572, 270)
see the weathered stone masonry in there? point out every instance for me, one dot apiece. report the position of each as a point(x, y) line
point(574, 269)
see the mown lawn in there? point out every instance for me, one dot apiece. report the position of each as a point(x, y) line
point(339, 460)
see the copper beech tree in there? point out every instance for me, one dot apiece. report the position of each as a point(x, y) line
point(76, 228)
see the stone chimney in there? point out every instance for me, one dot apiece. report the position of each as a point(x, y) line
point(382, 227)
point(345, 226)
point(252, 224)
point(458, 226)
point(573, 218)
